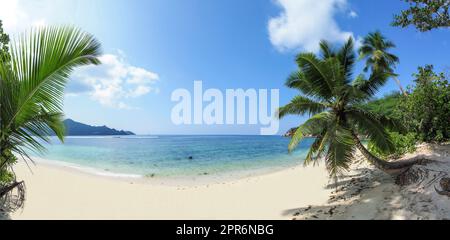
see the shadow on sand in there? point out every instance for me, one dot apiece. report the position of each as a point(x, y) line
point(370, 194)
point(4, 216)
point(346, 191)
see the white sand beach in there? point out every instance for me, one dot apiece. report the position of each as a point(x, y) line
point(369, 194)
point(297, 193)
point(59, 193)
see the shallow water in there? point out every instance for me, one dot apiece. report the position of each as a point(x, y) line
point(177, 156)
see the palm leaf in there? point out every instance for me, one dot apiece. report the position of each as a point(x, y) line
point(347, 57)
point(373, 84)
point(317, 148)
point(317, 74)
point(313, 126)
point(340, 151)
point(298, 80)
point(370, 125)
point(34, 82)
point(326, 50)
point(302, 105)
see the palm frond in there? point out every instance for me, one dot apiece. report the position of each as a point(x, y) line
point(326, 50)
point(317, 74)
point(372, 126)
point(302, 105)
point(335, 75)
point(297, 80)
point(340, 150)
point(347, 57)
point(317, 148)
point(371, 86)
point(313, 126)
point(33, 83)
point(375, 50)
point(42, 61)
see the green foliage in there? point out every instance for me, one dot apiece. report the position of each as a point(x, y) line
point(334, 99)
point(403, 144)
point(32, 84)
point(375, 50)
point(387, 106)
point(4, 44)
point(426, 110)
point(425, 15)
point(6, 176)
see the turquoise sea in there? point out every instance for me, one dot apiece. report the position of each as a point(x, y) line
point(176, 156)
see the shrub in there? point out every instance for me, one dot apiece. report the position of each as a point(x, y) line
point(6, 176)
point(403, 144)
point(386, 106)
point(426, 111)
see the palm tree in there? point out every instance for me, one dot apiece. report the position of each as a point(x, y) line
point(336, 103)
point(32, 87)
point(375, 50)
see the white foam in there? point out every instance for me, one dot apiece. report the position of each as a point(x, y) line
point(112, 137)
point(84, 169)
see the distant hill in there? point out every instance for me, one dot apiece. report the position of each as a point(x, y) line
point(79, 129)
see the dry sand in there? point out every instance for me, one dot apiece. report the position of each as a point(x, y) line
point(297, 193)
point(369, 194)
point(59, 193)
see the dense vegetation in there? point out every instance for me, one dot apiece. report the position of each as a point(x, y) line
point(425, 15)
point(5, 175)
point(388, 105)
point(4, 44)
point(424, 112)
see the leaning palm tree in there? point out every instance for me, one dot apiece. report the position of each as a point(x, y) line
point(32, 87)
point(336, 103)
point(375, 50)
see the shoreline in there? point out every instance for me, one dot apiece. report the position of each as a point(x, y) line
point(57, 193)
point(182, 181)
point(297, 193)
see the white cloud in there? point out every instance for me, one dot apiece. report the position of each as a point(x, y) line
point(303, 23)
point(353, 14)
point(21, 15)
point(11, 14)
point(39, 23)
point(113, 82)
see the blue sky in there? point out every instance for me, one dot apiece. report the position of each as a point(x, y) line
point(154, 47)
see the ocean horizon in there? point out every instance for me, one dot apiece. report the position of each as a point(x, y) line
point(174, 156)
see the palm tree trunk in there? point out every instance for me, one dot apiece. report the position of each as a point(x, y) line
point(400, 86)
point(7, 189)
point(392, 168)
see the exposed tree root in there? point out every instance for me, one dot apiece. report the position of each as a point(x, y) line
point(417, 175)
point(445, 185)
point(12, 197)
